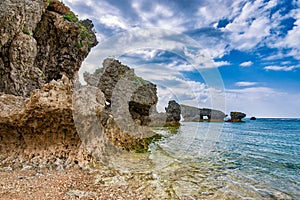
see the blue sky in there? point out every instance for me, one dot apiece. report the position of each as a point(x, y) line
point(253, 47)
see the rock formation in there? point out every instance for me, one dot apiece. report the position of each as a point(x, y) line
point(118, 81)
point(173, 112)
point(253, 118)
point(46, 116)
point(236, 117)
point(42, 45)
point(40, 129)
point(171, 118)
point(193, 114)
point(40, 41)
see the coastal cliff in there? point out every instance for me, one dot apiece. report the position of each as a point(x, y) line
point(42, 47)
point(40, 41)
point(47, 117)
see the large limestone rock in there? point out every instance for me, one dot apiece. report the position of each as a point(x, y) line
point(39, 42)
point(125, 120)
point(121, 86)
point(40, 129)
point(193, 114)
point(42, 45)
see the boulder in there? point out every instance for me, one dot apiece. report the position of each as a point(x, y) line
point(171, 118)
point(236, 116)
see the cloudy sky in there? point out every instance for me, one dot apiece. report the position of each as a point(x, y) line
point(234, 55)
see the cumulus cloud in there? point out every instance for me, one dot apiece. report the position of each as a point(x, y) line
point(221, 63)
point(245, 84)
point(246, 64)
point(281, 68)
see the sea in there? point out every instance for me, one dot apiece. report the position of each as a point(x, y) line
point(255, 159)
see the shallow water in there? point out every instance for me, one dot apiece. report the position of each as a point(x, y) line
point(252, 160)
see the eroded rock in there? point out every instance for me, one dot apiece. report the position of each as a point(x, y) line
point(40, 129)
point(236, 116)
point(194, 114)
point(39, 42)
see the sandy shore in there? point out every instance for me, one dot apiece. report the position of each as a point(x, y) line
point(28, 183)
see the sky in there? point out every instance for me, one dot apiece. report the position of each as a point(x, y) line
point(232, 55)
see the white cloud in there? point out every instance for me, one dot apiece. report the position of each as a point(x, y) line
point(158, 15)
point(245, 84)
point(221, 63)
point(113, 21)
point(246, 64)
point(281, 68)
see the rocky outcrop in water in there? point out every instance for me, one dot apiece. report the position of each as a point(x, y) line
point(170, 118)
point(236, 117)
point(193, 114)
point(46, 116)
point(173, 112)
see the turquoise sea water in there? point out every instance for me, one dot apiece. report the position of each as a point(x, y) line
point(253, 160)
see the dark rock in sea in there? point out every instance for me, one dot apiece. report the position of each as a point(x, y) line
point(236, 117)
point(253, 118)
point(194, 114)
point(173, 112)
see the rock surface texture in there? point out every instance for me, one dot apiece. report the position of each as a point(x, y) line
point(40, 41)
point(193, 114)
point(42, 45)
point(40, 129)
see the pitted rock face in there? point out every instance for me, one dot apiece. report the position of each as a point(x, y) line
point(40, 129)
point(42, 45)
point(39, 43)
